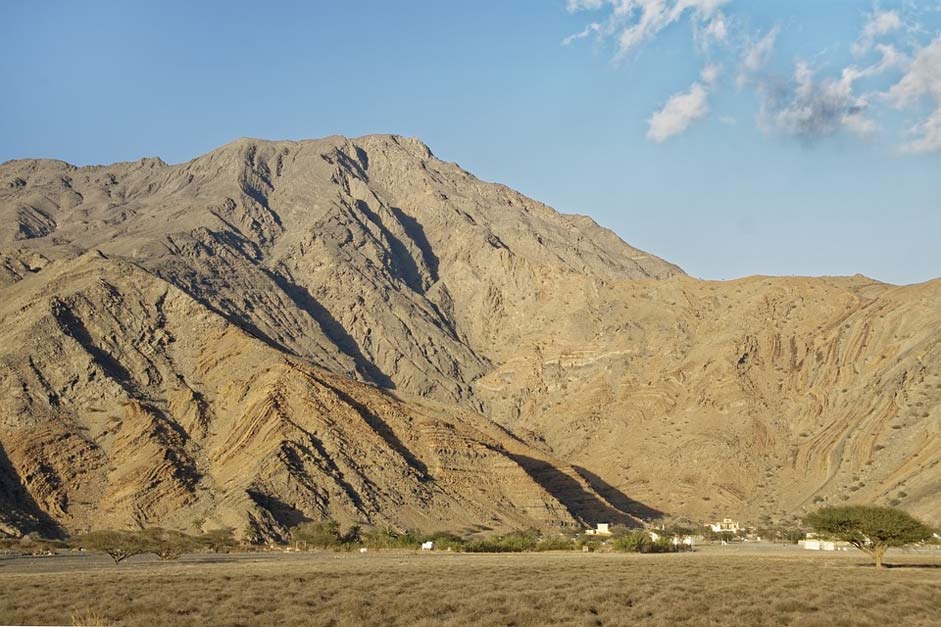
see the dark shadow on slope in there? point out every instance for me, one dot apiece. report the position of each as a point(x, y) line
point(196, 284)
point(283, 513)
point(384, 431)
point(334, 331)
point(326, 463)
point(185, 468)
point(18, 505)
point(321, 457)
point(234, 317)
point(73, 326)
point(581, 504)
point(416, 232)
point(617, 498)
point(401, 263)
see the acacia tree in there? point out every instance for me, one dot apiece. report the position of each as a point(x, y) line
point(168, 544)
point(120, 545)
point(217, 540)
point(870, 529)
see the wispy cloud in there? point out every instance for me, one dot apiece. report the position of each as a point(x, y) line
point(756, 55)
point(594, 27)
point(923, 78)
point(922, 81)
point(929, 136)
point(879, 24)
point(633, 22)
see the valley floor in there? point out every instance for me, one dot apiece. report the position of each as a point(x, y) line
point(713, 586)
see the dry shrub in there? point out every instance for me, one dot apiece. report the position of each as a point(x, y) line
point(471, 589)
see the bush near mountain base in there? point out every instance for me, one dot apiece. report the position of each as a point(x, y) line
point(390, 539)
point(870, 529)
point(28, 545)
point(515, 542)
point(641, 542)
point(318, 535)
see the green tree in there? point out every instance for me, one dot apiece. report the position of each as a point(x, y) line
point(168, 544)
point(353, 535)
point(218, 540)
point(120, 545)
point(870, 529)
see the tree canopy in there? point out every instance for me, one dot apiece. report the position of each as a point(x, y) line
point(869, 528)
point(119, 544)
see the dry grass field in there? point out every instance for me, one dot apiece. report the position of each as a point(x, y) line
point(710, 587)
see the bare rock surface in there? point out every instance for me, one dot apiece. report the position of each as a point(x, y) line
point(284, 331)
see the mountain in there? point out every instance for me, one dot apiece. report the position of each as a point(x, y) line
point(282, 331)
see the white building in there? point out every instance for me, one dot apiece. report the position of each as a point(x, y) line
point(674, 540)
point(603, 529)
point(727, 524)
point(823, 545)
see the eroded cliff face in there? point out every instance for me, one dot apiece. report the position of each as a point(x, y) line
point(283, 331)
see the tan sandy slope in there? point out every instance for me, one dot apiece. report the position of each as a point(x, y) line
point(282, 331)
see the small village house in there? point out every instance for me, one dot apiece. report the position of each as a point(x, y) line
point(727, 524)
point(602, 529)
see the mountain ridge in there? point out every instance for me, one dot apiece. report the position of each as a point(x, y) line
point(531, 367)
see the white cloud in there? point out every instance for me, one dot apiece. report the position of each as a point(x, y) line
point(891, 59)
point(684, 108)
point(633, 22)
point(922, 79)
point(879, 24)
point(679, 113)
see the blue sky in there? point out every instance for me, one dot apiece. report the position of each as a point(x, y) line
point(732, 137)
